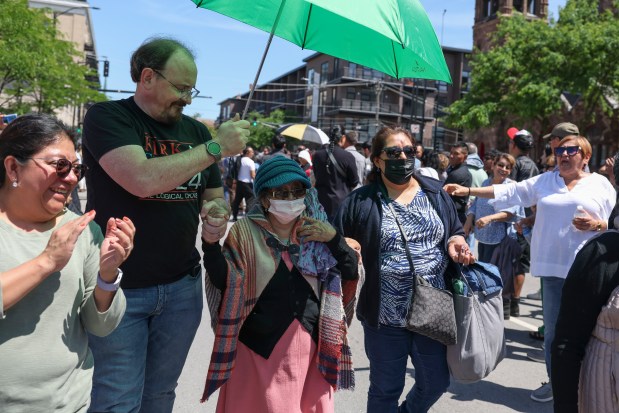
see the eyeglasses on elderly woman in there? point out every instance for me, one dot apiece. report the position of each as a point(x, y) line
point(285, 194)
point(63, 166)
point(569, 150)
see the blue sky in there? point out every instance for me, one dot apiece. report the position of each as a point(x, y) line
point(228, 52)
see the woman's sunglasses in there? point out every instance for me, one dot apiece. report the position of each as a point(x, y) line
point(64, 167)
point(569, 150)
point(296, 193)
point(394, 152)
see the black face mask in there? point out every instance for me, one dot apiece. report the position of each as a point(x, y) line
point(399, 171)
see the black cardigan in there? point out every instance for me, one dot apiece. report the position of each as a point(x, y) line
point(591, 279)
point(360, 217)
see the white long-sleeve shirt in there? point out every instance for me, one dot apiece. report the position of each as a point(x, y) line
point(555, 241)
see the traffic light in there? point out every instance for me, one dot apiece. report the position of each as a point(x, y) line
point(254, 122)
point(106, 68)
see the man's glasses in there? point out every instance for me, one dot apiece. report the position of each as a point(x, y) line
point(569, 150)
point(296, 193)
point(394, 152)
point(64, 167)
point(191, 92)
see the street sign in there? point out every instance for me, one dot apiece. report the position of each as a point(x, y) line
point(414, 128)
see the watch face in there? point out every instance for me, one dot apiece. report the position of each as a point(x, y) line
point(214, 148)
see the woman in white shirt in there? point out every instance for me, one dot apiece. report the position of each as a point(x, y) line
point(557, 234)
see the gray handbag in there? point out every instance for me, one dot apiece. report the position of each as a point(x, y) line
point(479, 316)
point(431, 310)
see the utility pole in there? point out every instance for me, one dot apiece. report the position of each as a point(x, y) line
point(443, 25)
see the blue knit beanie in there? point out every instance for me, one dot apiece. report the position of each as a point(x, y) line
point(279, 171)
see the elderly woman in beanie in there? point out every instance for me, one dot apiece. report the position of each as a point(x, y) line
point(277, 291)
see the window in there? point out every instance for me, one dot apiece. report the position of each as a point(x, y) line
point(324, 71)
point(532, 7)
point(365, 96)
point(352, 69)
point(490, 8)
point(310, 77)
point(466, 75)
point(518, 5)
point(351, 93)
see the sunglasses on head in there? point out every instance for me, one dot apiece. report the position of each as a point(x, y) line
point(64, 167)
point(284, 194)
point(394, 152)
point(569, 150)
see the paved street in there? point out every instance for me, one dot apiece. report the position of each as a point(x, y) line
point(507, 389)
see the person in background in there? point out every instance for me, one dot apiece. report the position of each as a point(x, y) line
point(278, 148)
point(458, 173)
point(489, 158)
point(429, 164)
point(419, 151)
point(367, 148)
point(491, 226)
point(348, 142)
point(558, 195)
point(305, 160)
point(59, 275)
point(369, 215)
point(336, 174)
point(475, 166)
point(244, 182)
point(584, 349)
point(277, 296)
point(149, 161)
point(443, 165)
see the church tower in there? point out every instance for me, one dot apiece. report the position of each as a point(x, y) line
point(487, 13)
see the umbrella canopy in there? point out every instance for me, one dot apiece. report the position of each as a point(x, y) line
point(303, 132)
point(392, 36)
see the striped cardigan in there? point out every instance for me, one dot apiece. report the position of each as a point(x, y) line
point(251, 264)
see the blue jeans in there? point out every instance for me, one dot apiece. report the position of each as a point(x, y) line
point(551, 302)
point(388, 349)
point(137, 366)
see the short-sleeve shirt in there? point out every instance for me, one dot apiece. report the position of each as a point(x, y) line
point(166, 223)
point(425, 233)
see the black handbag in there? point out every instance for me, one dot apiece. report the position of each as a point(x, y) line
point(431, 311)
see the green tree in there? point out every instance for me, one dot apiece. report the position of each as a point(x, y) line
point(264, 130)
point(534, 62)
point(38, 70)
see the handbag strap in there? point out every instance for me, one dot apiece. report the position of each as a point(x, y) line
point(408, 253)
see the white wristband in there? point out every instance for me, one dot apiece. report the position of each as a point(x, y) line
point(106, 286)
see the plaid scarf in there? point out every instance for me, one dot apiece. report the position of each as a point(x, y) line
point(249, 261)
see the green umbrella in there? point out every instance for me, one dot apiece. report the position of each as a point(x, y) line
point(392, 36)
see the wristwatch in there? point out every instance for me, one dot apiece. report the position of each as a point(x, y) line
point(106, 286)
point(214, 149)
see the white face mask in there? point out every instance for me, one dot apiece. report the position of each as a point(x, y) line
point(286, 211)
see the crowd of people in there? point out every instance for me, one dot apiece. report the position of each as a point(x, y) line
point(98, 308)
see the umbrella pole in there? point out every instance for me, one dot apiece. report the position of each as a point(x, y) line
point(264, 55)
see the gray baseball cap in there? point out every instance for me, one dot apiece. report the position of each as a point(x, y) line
point(563, 129)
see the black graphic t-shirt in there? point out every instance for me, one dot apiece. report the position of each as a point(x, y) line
point(167, 223)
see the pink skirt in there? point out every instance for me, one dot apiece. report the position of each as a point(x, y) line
point(287, 382)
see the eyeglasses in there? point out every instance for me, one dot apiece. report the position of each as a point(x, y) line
point(394, 152)
point(296, 193)
point(64, 167)
point(569, 150)
point(191, 92)
point(503, 165)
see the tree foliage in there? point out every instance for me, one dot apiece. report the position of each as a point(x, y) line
point(38, 70)
point(261, 134)
point(534, 62)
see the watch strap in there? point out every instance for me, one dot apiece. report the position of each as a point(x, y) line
point(106, 286)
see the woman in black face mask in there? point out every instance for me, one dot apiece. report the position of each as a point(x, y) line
point(399, 202)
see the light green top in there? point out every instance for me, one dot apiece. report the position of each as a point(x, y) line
point(45, 363)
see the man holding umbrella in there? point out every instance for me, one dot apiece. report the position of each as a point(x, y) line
point(148, 161)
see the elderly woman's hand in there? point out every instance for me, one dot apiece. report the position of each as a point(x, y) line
point(116, 246)
point(315, 230)
point(459, 250)
point(215, 215)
